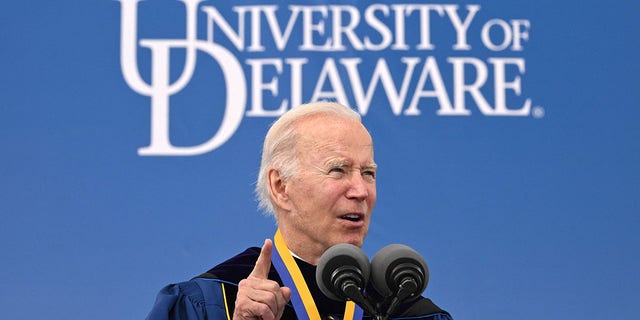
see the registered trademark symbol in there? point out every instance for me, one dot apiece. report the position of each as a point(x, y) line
point(537, 112)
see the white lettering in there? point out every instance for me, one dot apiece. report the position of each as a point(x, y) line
point(330, 72)
point(257, 87)
point(461, 27)
point(283, 80)
point(506, 31)
point(309, 28)
point(460, 87)
point(348, 30)
point(520, 32)
point(215, 18)
point(281, 39)
point(378, 26)
point(501, 86)
point(400, 41)
point(296, 79)
point(425, 23)
point(383, 75)
point(439, 91)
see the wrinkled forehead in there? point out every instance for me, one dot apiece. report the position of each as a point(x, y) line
point(332, 136)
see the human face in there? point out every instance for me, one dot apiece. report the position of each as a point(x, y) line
point(330, 198)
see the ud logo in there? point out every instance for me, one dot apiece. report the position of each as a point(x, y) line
point(160, 88)
point(311, 48)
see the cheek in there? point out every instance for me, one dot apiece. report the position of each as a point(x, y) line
point(333, 192)
point(372, 197)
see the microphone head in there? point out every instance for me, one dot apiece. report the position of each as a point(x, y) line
point(340, 263)
point(396, 263)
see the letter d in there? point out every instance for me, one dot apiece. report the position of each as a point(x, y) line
point(236, 97)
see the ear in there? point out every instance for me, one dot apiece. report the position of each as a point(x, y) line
point(278, 189)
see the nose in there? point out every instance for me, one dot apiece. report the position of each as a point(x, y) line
point(358, 187)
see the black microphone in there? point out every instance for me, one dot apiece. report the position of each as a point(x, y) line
point(343, 273)
point(398, 272)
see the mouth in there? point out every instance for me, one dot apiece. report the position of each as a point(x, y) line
point(353, 217)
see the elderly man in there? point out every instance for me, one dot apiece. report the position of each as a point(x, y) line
point(318, 177)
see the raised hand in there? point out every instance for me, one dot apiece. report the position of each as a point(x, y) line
point(258, 297)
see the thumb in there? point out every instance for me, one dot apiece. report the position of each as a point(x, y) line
point(286, 292)
point(263, 264)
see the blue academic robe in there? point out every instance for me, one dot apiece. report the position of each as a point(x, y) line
point(211, 296)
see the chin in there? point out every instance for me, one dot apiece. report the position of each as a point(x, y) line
point(355, 241)
point(354, 238)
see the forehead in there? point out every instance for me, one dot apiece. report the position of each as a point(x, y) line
point(328, 136)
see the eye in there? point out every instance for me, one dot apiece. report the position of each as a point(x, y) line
point(337, 170)
point(369, 173)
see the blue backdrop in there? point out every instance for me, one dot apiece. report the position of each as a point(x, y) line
point(522, 216)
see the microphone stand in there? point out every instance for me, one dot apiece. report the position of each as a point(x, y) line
point(353, 292)
point(406, 289)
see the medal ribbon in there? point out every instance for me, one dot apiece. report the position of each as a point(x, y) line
point(301, 298)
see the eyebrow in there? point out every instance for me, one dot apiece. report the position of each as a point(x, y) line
point(372, 165)
point(337, 163)
point(343, 163)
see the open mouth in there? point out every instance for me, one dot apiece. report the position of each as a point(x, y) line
point(352, 217)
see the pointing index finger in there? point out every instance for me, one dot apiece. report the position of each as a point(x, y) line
point(263, 264)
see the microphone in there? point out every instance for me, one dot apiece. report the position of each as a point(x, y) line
point(398, 272)
point(343, 273)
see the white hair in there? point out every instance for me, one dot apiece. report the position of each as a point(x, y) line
point(279, 148)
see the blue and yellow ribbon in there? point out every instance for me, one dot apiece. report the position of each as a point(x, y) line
point(291, 276)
